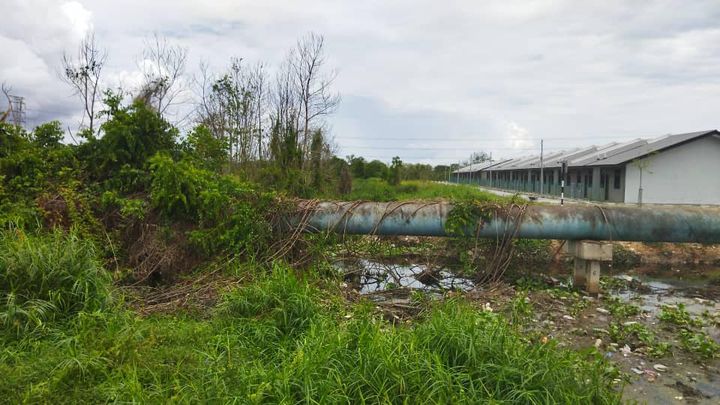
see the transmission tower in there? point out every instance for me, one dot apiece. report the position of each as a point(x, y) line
point(17, 110)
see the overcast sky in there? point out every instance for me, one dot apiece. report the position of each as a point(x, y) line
point(429, 81)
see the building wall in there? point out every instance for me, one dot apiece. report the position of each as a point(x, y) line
point(686, 174)
point(616, 194)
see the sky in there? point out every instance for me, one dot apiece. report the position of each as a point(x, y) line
point(429, 81)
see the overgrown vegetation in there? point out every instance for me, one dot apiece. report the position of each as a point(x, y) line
point(137, 204)
point(276, 341)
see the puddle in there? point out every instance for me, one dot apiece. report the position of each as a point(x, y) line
point(697, 290)
point(667, 289)
point(370, 276)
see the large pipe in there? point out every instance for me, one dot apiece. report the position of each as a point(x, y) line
point(569, 222)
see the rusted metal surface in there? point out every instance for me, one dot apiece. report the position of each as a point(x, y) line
point(576, 222)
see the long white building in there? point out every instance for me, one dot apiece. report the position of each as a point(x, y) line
point(671, 169)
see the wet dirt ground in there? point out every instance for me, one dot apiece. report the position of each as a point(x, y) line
point(579, 321)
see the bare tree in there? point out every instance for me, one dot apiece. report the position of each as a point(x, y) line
point(83, 73)
point(233, 106)
point(4, 114)
point(163, 66)
point(258, 84)
point(313, 85)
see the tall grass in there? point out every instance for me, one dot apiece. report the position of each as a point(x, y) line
point(47, 277)
point(374, 189)
point(279, 341)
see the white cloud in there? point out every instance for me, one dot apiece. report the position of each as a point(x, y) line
point(504, 69)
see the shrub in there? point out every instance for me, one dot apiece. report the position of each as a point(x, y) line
point(48, 277)
point(280, 298)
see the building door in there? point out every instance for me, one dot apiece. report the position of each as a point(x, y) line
point(606, 185)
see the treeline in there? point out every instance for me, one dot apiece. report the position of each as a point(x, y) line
point(270, 127)
point(360, 168)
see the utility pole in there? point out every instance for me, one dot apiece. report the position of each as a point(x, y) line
point(542, 179)
point(563, 172)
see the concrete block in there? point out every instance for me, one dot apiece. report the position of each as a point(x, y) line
point(593, 277)
point(579, 273)
point(593, 250)
point(568, 247)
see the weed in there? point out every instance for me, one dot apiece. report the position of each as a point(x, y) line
point(636, 334)
point(679, 316)
point(620, 309)
point(698, 342)
point(250, 352)
point(47, 277)
point(521, 309)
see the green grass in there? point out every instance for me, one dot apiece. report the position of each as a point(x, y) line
point(283, 340)
point(47, 278)
point(374, 189)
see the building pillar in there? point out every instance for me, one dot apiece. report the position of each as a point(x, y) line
point(556, 179)
point(587, 257)
point(595, 192)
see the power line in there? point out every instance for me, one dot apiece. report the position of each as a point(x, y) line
point(444, 139)
point(405, 147)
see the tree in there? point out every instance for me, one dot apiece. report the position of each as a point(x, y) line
point(394, 172)
point(163, 66)
point(83, 74)
point(312, 85)
point(131, 135)
point(477, 157)
point(209, 151)
point(48, 135)
point(233, 107)
point(377, 169)
point(357, 166)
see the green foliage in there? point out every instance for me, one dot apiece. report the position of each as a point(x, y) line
point(636, 334)
point(620, 309)
point(469, 216)
point(277, 342)
point(395, 171)
point(700, 343)
point(376, 169)
point(374, 189)
point(32, 163)
point(521, 309)
point(43, 278)
point(679, 316)
point(48, 135)
point(131, 135)
point(692, 338)
point(357, 166)
point(206, 150)
point(280, 299)
point(131, 208)
point(230, 216)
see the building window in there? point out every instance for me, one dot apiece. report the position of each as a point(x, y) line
point(616, 179)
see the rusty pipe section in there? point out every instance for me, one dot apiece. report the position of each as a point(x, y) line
point(570, 222)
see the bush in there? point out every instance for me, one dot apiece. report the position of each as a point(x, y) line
point(230, 215)
point(280, 298)
point(48, 277)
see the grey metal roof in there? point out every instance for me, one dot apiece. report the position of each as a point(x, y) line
point(511, 164)
point(652, 146)
point(535, 161)
point(611, 154)
point(475, 167)
point(601, 155)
